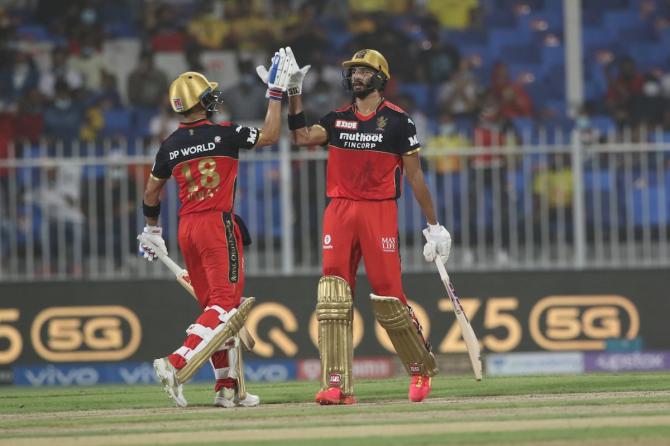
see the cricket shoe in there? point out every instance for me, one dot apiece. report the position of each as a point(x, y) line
point(167, 375)
point(228, 397)
point(419, 388)
point(334, 396)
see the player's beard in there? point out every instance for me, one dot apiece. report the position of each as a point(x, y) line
point(363, 93)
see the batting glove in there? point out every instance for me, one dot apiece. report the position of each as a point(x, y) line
point(438, 243)
point(277, 76)
point(296, 74)
point(155, 236)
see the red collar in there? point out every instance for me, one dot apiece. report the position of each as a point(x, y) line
point(198, 123)
point(363, 117)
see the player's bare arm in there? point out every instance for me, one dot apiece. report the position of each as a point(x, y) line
point(304, 136)
point(438, 239)
point(271, 126)
point(418, 183)
point(277, 80)
point(152, 195)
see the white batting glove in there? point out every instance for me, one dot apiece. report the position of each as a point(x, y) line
point(276, 77)
point(438, 243)
point(155, 235)
point(296, 74)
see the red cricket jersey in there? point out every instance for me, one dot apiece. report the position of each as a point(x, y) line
point(365, 152)
point(203, 158)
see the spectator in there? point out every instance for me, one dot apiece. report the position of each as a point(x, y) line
point(29, 120)
point(61, 69)
point(438, 60)
point(513, 99)
point(90, 64)
point(447, 139)
point(18, 79)
point(146, 83)
point(63, 117)
point(116, 192)
point(208, 28)
point(454, 14)
point(552, 196)
point(460, 96)
point(624, 93)
point(488, 177)
point(59, 202)
point(651, 105)
point(303, 37)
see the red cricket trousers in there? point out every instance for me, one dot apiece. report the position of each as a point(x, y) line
point(211, 243)
point(369, 229)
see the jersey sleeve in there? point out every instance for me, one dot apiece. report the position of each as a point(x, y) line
point(326, 123)
point(409, 141)
point(245, 137)
point(161, 168)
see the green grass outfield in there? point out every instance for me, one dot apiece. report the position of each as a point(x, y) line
point(630, 409)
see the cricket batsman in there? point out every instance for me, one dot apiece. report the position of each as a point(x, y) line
point(371, 142)
point(202, 156)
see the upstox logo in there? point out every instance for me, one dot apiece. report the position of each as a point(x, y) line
point(95, 333)
point(582, 322)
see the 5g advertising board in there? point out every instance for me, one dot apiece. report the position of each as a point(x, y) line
point(108, 322)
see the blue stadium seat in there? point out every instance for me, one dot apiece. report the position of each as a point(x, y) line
point(523, 125)
point(520, 54)
point(499, 38)
point(596, 37)
point(33, 32)
point(141, 121)
point(419, 92)
point(604, 124)
point(552, 56)
point(598, 187)
point(615, 21)
point(464, 38)
point(502, 18)
point(117, 121)
point(644, 208)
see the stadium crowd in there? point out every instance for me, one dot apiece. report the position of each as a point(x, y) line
point(447, 72)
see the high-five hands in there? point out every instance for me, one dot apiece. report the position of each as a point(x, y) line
point(295, 74)
point(277, 76)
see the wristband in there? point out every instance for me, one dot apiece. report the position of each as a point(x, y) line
point(297, 121)
point(275, 94)
point(151, 211)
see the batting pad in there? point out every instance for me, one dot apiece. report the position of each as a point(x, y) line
point(405, 335)
point(334, 311)
point(234, 321)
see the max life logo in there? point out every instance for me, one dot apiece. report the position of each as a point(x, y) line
point(389, 244)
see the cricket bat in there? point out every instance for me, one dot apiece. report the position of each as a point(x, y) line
point(184, 280)
point(466, 329)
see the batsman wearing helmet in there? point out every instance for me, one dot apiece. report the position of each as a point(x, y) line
point(202, 156)
point(370, 142)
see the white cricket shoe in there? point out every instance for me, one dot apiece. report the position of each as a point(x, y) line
point(167, 375)
point(228, 398)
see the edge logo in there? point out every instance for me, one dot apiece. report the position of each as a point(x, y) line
point(582, 322)
point(77, 334)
